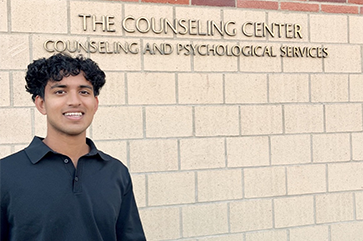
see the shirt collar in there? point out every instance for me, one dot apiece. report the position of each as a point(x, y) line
point(37, 150)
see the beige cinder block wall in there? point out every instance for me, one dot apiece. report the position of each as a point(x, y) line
point(220, 147)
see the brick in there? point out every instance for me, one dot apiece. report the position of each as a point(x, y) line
point(339, 9)
point(346, 59)
point(345, 176)
point(216, 120)
point(288, 88)
point(200, 88)
point(215, 62)
point(261, 119)
point(299, 7)
point(354, 30)
point(169, 60)
point(14, 49)
point(113, 92)
point(357, 140)
point(18, 127)
point(231, 237)
point(20, 96)
point(250, 215)
point(331, 147)
point(258, 4)
point(5, 151)
point(301, 64)
point(166, 217)
point(358, 205)
point(169, 121)
point(329, 88)
point(290, 149)
point(355, 1)
point(275, 235)
point(219, 185)
point(356, 87)
point(336, 1)
point(315, 233)
point(202, 153)
point(264, 182)
point(335, 207)
point(304, 118)
point(321, 26)
point(352, 231)
point(216, 3)
point(305, 179)
point(167, 1)
point(117, 123)
point(139, 188)
point(246, 88)
point(206, 219)
point(151, 88)
point(157, 11)
point(294, 211)
point(343, 117)
point(261, 64)
point(248, 151)
point(171, 188)
point(46, 17)
point(116, 61)
point(4, 89)
point(116, 149)
point(153, 155)
point(3, 16)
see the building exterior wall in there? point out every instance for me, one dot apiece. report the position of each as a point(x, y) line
point(220, 147)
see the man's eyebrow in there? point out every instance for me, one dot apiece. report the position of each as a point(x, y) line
point(58, 86)
point(86, 86)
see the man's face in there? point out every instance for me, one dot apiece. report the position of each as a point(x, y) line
point(69, 104)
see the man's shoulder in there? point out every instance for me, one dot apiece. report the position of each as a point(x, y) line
point(112, 160)
point(15, 157)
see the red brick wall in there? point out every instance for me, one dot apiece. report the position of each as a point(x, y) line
point(326, 6)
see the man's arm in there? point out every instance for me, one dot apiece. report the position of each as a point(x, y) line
point(4, 232)
point(129, 227)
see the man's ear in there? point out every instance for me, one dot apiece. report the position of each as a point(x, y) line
point(96, 104)
point(39, 103)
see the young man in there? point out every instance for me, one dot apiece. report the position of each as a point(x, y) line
point(62, 188)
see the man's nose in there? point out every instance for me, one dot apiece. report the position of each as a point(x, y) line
point(74, 98)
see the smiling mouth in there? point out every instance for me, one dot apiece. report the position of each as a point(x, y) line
point(73, 114)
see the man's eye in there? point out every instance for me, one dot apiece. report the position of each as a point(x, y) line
point(84, 92)
point(60, 92)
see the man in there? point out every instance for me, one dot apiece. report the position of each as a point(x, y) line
point(62, 188)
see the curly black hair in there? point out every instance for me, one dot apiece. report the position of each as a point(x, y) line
point(58, 66)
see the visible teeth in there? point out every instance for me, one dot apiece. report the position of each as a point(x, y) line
point(73, 114)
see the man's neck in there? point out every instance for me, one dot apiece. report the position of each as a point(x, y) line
point(72, 146)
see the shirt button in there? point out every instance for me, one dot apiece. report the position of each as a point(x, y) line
point(66, 161)
point(76, 179)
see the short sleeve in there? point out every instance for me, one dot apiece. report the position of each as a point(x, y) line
point(129, 227)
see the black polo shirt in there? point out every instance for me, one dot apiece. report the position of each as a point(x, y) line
point(44, 198)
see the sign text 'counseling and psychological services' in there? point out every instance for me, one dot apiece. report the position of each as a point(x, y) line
point(191, 27)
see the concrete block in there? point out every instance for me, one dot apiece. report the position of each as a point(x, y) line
point(331, 147)
point(18, 127)
point(334, 207)
point(343, 117)
point(305, 179)
point(314, 233)
point(14, 49)
point(304, 118)
point(321, 26)
point(171, 188)
point(153, 155)
point(290, 149)
point(345, 176)
point(248, 151)
point(329, 88)
point(4, 89)
point(250, 215)
point(288, 88)
point(202, 153)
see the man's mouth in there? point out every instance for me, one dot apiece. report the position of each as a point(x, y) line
point(73, 114)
